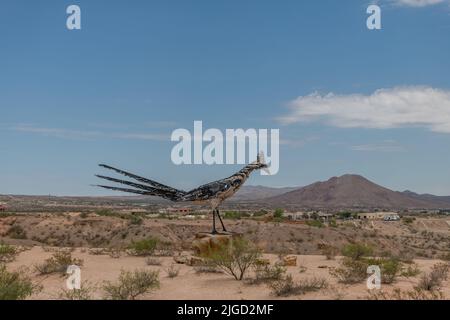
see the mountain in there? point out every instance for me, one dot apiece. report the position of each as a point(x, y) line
point(249, 193)
point(350, 191)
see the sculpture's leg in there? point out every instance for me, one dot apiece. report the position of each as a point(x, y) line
point(214, 231)
point(223, 226)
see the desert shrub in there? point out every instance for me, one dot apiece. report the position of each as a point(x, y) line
point(172, 271)
point(105, 212)
point(206, 268)
point(164, 249)
point(356, 251)
point(286, 286)
point(315, 223)
point(267, 273)
point(234, 258)
point(411, 271)
point(16, 285)
point(390, 268)
point(145, 247)
point(433, 280)
point(58, 263)
point(7, 253)
point(153, 261)
point(84, 293)
point(398, 294)
point(350, 271)
point(329, 251)
point(83, 215)
point(136, 220)
point(408, 220)
point(16, 232)
point(355, 270)
point(278, 213)
point(332, 223)
point(131, 285)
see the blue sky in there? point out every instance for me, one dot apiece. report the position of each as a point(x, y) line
point(114, 91)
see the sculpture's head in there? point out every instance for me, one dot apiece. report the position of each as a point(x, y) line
point(261, 163)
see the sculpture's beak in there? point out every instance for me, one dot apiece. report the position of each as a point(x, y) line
point(266, 170)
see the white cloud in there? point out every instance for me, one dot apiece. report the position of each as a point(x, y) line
point(81, 134)
point(385, 146)
point(417, 3)
point(385, 108)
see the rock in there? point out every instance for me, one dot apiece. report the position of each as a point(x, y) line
point(181, 258)
point(194, 261)
point(205, 242)
point(290, 261)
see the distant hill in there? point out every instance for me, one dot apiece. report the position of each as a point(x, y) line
point(350, 191)
point(250, 193)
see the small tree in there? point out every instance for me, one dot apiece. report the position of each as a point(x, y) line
point(131, 285)
point(357, 251)
point(278, 213)
point(234, 258)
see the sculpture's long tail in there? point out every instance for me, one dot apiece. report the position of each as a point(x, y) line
point(150, 188)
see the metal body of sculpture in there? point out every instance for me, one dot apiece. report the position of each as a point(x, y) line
point(213, 193)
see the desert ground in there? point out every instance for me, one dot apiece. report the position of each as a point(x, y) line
point(190, 285)
point(102, 240)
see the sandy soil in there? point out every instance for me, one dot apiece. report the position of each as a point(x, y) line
point(190, 285)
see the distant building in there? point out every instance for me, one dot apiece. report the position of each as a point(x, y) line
point(296, 216)
point(387, 216)
point(175, 210)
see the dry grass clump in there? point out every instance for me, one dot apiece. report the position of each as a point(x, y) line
point(287, 286)
point(398, 294)
point(432, 281)
point(172, 271)
point(267, 274)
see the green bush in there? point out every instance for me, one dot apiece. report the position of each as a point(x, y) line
point(16, 285)
point(7, 253)
point(235, 258)
point(350, 271)
point(355, 270)
point(315, 223)
point(357, 251)
point(390, 268)
point(131, 285)
point(58, 263)
point(278, 213)
point(145, 247)
point(136, 220)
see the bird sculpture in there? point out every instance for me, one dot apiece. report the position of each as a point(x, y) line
point(213, 193)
